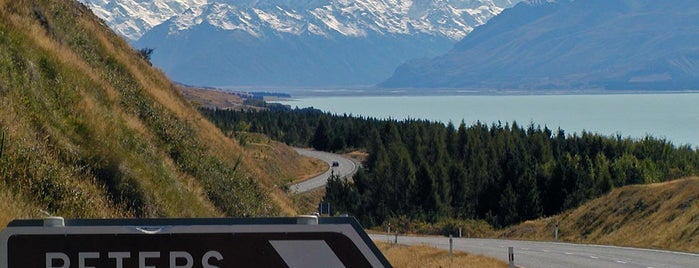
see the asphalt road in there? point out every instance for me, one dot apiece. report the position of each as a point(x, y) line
point(347, 167)
point(549, 254)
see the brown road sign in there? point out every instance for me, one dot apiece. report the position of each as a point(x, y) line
point(189, 243)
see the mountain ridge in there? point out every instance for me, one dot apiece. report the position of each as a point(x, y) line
point(582, 44)
point(452, 18)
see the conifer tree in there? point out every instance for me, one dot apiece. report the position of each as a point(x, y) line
point(321, 137)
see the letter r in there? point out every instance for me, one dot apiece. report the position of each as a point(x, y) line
point(178, 255)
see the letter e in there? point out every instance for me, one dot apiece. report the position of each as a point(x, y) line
point(87, 255)
point(142, 256)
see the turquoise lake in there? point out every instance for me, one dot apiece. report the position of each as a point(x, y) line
point(674, 117)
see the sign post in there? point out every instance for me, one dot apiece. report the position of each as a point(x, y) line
point(511, 256)
point(388, 232)
point(451, 247)
point(189, 243)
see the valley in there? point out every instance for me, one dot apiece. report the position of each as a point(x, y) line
point(93, 127)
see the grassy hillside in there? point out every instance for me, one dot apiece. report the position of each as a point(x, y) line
point(90, 129)
point(661, 215)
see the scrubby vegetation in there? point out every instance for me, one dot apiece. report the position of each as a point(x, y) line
point(90, 129)
point(503, 173)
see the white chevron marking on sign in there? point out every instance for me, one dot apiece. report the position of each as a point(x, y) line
point(306, 253)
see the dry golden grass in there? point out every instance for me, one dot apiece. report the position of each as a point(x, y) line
point(307, 203)
point(213, 98)
point(311, 168)
point(661, 215)
point(268, 156)
point(360, 156)
point(283, 166)
point(424, 256)
point(276, 164)
point(88, 112)
point(79, 190)
point(281, 161)
point(13, 207)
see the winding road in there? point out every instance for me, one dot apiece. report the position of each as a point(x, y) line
point(550, 254)
point(346, 168)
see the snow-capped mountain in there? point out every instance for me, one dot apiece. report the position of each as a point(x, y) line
point(292, 42)
point(452, 18)
point(353, 18)
point(133, 18)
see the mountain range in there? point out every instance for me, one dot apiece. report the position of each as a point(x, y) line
point(292, 43)
point(564, 44)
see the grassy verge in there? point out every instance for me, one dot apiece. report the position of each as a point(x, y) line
point(424, 256)
point(307, 203)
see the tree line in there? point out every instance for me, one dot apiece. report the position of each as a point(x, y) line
point(503, 173)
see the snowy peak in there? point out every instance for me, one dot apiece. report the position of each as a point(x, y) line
point(249, 19)
point(133, 18)
point(353, 18)
point(538, 2)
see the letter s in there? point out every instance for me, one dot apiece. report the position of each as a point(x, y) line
point(207, 256)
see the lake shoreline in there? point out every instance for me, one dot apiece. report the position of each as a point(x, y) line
point(378, 92)
point(663, 115)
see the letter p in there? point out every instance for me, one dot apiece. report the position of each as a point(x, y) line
point(52, 257)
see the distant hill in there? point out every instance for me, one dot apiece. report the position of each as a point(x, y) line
point(662, 215)
point(564, 44)
point(89, 129)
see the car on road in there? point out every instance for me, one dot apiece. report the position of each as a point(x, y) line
point(336, 164)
